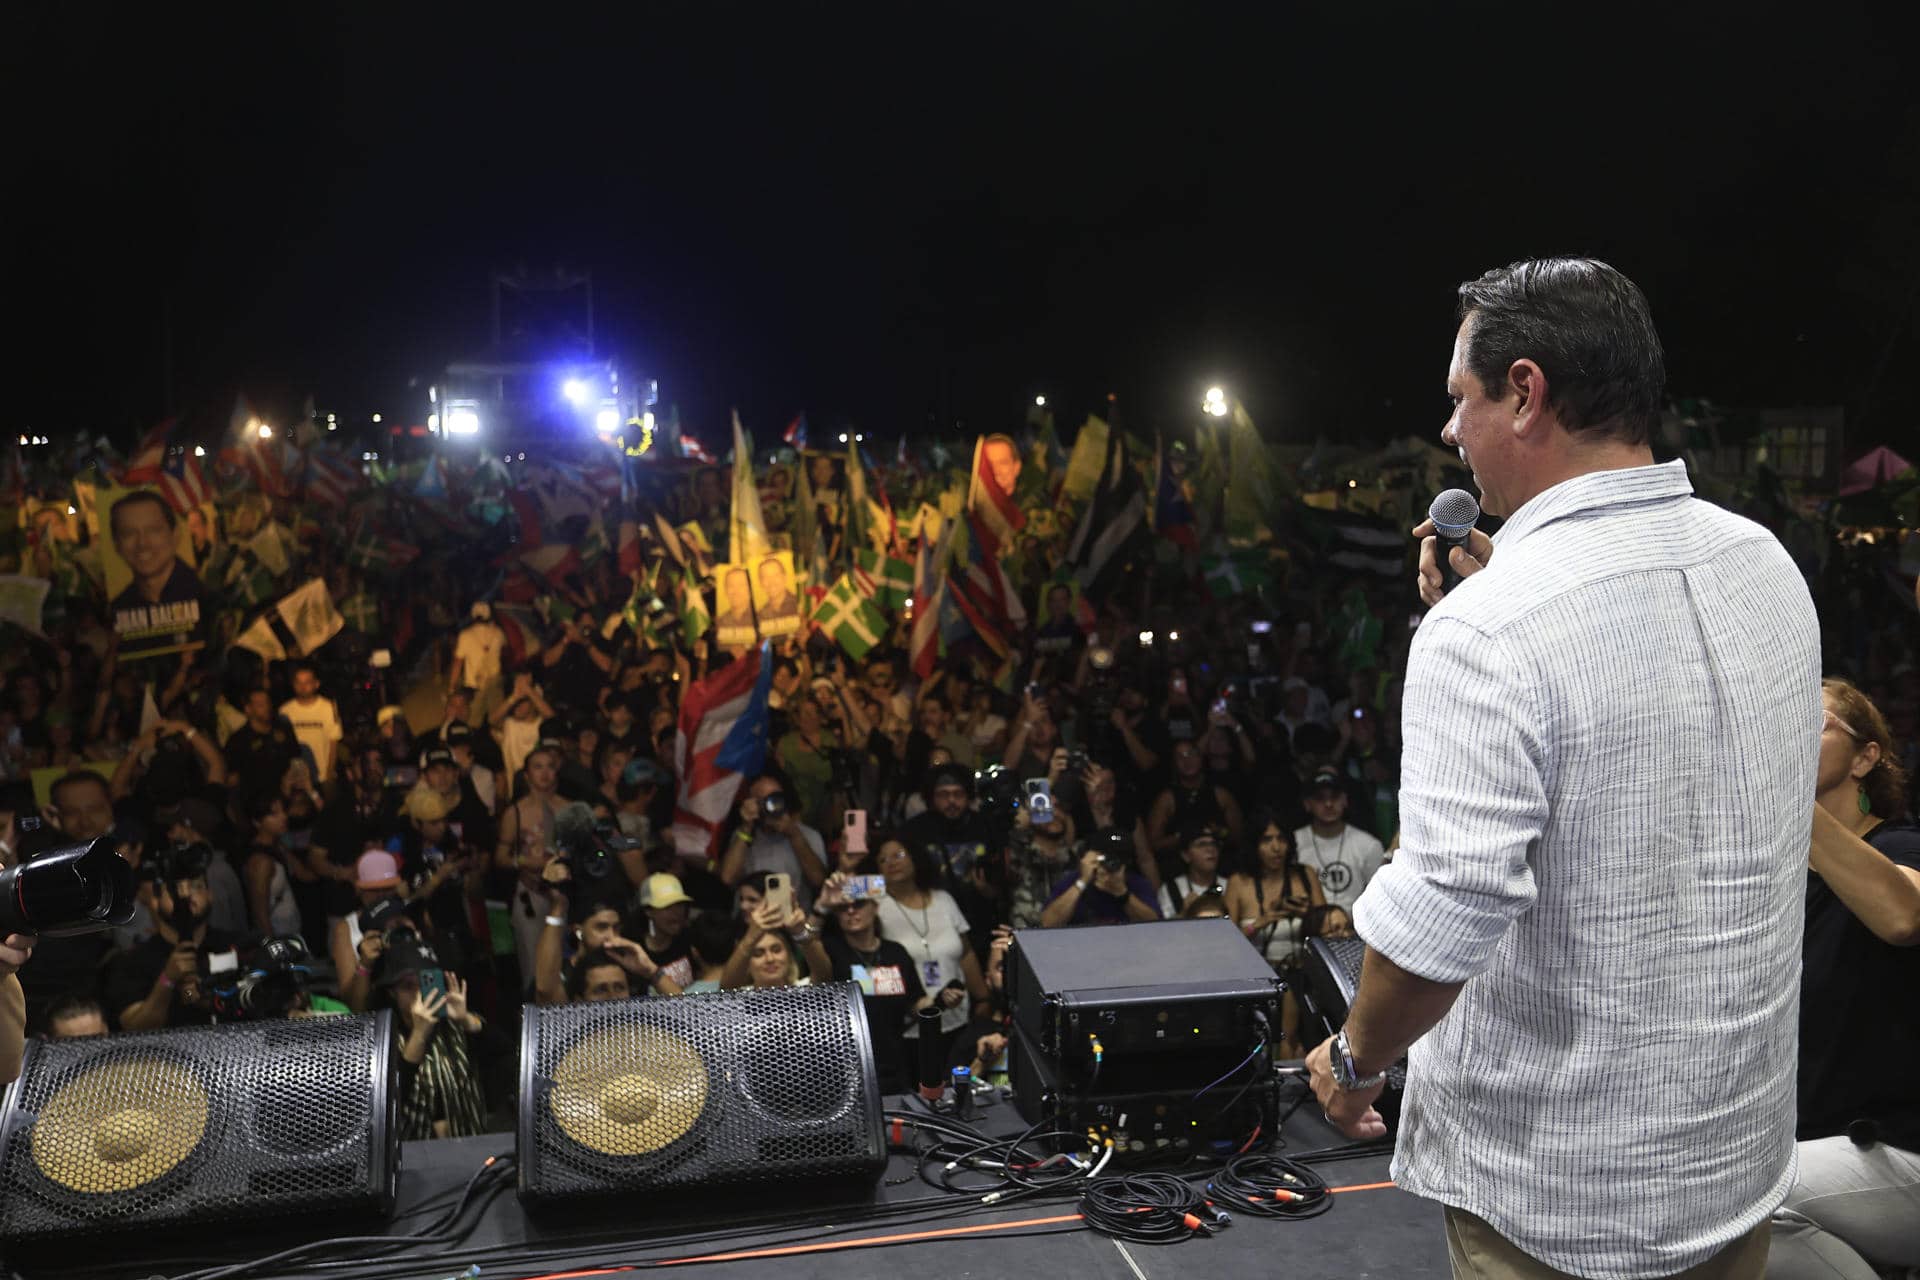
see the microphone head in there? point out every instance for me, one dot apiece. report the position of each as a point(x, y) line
point(1453, 513)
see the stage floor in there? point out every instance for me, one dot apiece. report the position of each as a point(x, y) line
point(1370, 1231)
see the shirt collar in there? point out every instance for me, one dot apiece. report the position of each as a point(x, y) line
point(1597, 489)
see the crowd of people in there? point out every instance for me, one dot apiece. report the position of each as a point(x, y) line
point(1171, 751)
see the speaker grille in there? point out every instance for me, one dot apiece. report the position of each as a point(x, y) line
point(736, 1086)
point(171, 1127)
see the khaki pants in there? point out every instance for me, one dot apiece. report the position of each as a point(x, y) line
point(1478, 1252)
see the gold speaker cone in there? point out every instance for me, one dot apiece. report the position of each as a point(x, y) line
point(120, 1125)
point(628, 1090)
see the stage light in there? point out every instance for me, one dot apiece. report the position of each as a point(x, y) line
point(433, 395)
point(1353, 484)
point(266, 432)
point(332, 425)
point(523, 457)
point(1215, 403)
point(1039, 402)
point(463, 420)
point(376, 417)
point(1146, 639)
point(607, 421)
point(433, 423)
point(1173, 637)
point(199, 451)
point(575, 391)
point(843, 437)
point(72, 510)
point(646, 422)
point(329, 422)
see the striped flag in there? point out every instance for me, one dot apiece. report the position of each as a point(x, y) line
point(984, 595)
point(1115, 516)
point(722, 739)
point(850, 618)
point(329, 478)
point(929, 595)
point(796, 432)
point(148, 456)
point(184, 484)
point(995, 516)
point(691, 447)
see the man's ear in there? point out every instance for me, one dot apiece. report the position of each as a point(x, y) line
point(1527, 383)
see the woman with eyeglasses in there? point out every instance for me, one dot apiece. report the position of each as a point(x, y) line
point(1855, 1208)
point(888, 979)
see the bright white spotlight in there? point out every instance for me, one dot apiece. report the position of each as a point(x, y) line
point(574, 390)
point(433, 422)
point(199, 451)
point(433, 395)
point(843, 437)
point(376, 417)
point(1215, 403)
point(266, 432)
point(1039, 402)
point(607, 421)
point(463, 420)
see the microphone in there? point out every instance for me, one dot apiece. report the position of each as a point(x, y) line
point(1453, 514)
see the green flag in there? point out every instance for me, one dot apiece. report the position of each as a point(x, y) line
point(695, 618)
point(850, 619)
point(1238, 572)
point(888, 582)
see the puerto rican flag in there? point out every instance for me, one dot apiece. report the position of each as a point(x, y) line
point(329, 477)
point(929, 594)
point(184, 484)
point(148, 456)
point(996, 518)
point(722, 740)
point(691, 447)
point(986, 599)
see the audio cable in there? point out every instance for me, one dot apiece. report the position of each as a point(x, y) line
point(1149, 1208)
point(1270, 1187)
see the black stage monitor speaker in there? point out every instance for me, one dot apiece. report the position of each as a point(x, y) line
point(736, 1086)
point(174, 1128)
point(1330, 979)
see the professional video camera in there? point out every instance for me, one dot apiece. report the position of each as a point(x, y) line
point(273, 985)
point(588, 845)
point(67, 891)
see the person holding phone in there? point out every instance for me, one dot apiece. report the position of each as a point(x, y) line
point(444, 1045)
point(770, 953)
point(888, 979)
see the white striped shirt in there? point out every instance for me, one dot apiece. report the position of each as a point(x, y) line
point(1611, 735)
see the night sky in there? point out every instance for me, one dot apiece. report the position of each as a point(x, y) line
point(904, 221)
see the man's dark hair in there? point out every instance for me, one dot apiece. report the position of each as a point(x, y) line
point(73, 777)
point(1587, 327)
point(139, 495)
point(73, 1004)
point(712, 937)
point(590, 959)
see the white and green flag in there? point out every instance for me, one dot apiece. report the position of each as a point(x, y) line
point(850, 618)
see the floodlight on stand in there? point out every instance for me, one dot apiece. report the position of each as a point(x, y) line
point(463, 420)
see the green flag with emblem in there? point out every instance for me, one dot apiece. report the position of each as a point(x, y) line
point(695, 618)
point(850, 618)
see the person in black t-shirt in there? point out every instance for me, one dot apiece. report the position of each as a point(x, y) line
point(576, 665)
point(165, 981)
point(957, 840)
point(1852, 1208)
point(888, 979)
point(259, 751)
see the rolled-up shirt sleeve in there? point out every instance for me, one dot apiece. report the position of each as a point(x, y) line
point(1473, 800)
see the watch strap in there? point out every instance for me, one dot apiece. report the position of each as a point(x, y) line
point(1346, 1075)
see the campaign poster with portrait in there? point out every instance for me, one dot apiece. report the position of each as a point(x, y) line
point(733, 626)
point(155, 601)
point(776, 594)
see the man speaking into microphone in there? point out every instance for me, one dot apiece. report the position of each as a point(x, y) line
point(1589, 940)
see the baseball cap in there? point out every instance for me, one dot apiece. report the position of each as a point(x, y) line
point(1196, 832)
point(481, 610)
point(662, 890)
point(457, 733)
point(437, 755)
point(408, 953)
point(643, 773)
point(376, 869)
point(424, 804)
point(387, 715)
point(1327, 777)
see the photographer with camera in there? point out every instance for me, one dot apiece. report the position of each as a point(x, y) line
point(165, 980)
point(771, 837)
point(1102, 890)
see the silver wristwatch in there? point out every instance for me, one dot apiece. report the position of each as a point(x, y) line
point(1346, 1076)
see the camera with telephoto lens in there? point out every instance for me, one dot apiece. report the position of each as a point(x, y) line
point(67, 891)
point(173, 867)
point(588, 845)
point(273, 984)
point(773, 804)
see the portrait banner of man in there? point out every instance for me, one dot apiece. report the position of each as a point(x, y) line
point(154, 597)
point(776, 599)
point(733, 625)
